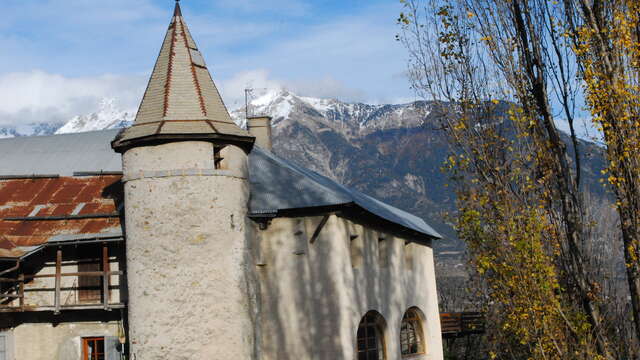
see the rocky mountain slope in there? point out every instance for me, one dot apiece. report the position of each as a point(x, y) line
point(392, 152)
point(388, 151)
point(108, 116)
point(33, 129)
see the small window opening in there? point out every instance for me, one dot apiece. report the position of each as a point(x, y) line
point(300, 239)
point(3, 347)
point(370, 338)
point(93, 348)
point(217, 157)
point(409, 254)
point(89, 287)
point(356, 249)
point(383, 251)
point(411, 335)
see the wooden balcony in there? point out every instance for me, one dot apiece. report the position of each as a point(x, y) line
point(454, 325)
point(17, 285)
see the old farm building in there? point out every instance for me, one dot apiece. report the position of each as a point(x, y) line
point(179, 238)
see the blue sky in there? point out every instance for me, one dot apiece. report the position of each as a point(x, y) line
point(61, 56)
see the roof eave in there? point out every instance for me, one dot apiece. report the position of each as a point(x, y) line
point(352, 211)
point(244, 142)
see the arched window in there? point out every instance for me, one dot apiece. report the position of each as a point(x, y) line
point(411, 335)
point(370, 337)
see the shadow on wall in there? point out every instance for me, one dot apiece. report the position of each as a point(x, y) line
point(312, 293)
point(300, 304)
point(313, 299)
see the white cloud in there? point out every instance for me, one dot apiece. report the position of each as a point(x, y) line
point(83, 12)
point(260, 80)
point(349, 57)
point(221, 31)
point(288, 7)
point(327, 87)
point(80, 37)
point(232, 90)
point(37, 96)
point(353, 58)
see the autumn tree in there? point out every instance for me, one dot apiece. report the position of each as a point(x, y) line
point(521, 209)
point(606, 37)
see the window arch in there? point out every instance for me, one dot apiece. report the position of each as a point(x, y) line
point(370, 337)
point(411, 333)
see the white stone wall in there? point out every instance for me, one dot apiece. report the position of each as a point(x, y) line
point(60, 342)
point(189, 297)
point(207, 283)
point(313, 295)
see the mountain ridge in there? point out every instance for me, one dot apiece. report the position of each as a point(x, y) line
point(387, 151)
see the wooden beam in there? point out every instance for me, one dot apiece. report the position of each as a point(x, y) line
point(21, 292)
point(58, 281)
point(12, 296)
point(85, 273)
point(69, 288)
point(6, 309)
point(105, 277)
point(316, 233)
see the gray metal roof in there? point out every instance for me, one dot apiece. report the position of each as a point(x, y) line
point(59, 154)
point(276, 184)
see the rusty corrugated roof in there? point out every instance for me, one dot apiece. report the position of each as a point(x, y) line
point(276, 184)
point(35, 210)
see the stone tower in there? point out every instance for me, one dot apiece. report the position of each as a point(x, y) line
point(186, 195)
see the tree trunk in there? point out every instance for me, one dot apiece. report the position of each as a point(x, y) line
point(566, 186)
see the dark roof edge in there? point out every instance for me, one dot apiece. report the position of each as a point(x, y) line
point(89, 239)
point(121, 146)
point(31, 176)
point(381, 224)
point(354, 212)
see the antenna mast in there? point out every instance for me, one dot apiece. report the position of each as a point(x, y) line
point(247, 92)
point(248, 96)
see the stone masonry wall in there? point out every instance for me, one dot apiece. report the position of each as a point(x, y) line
point(186, 253)
point(313, 295)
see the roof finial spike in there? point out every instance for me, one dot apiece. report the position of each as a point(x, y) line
point(178, 11)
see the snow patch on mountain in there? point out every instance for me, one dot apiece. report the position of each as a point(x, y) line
point(352, 120)
point(322, 105)
point(277, 103)
point(33, 129)
point(108, 116)
point(349, 119)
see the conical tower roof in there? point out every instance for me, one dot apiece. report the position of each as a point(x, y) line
point(181, 101)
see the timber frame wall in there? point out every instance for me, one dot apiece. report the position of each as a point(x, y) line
point(26, 286)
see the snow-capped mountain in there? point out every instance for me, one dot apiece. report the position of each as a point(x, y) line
point(33, 129)
point(108, 116)
point(350, 119)
point(382, 150)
